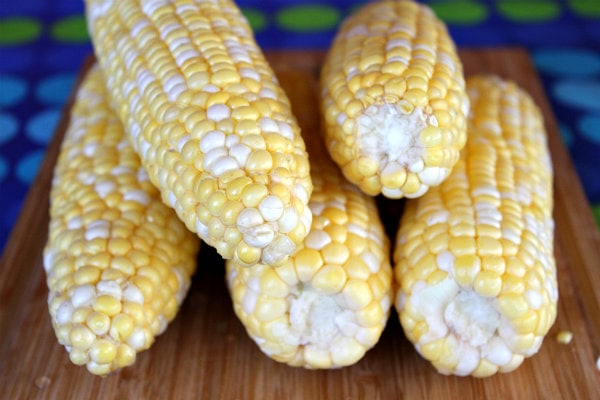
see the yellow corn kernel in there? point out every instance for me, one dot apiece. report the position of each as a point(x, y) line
point(101, 293)
point(564, 337)
point(486, 233)
point(393, 93)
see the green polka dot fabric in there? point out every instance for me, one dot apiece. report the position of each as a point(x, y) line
point(44, 43)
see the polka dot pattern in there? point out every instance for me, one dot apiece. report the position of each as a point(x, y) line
point(42, 46)
point(585, 8)
point(573, 62)
point(596, 212)
point(3, 168)
point(12, 90)
point(70, 29)
point(40, 127)
point(580, 94)
point(566, 133)
point(27, 167)
point(55, 89)
point(461, 12)
point(589, 126)
point(308, 18)
point(256, 18)
point(529, 11)
point(18, 30)
point(9, 125)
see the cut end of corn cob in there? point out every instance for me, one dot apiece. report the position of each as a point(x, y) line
point(330, 302)
point(209, 120)
point(394, 100)
point(474, 258)
point(118, 261)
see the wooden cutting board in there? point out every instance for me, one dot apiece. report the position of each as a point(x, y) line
point(205, 353)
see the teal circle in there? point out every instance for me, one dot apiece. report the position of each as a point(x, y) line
point(28, 166)
point(55, 89)
point(589, 127)
point(40, 127)
point(460, 12)
point(12, 90)
point(3, 168)
point(256, 18)
point(9, 126)
point(19, 30)
point(308, 18)
point(583, 94)
point(574, 62)
point(566, 133)
point(529, 11)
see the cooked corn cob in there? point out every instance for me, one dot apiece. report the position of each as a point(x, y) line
point(209, 120)
point(329, 303)
point(474, 258)
point(394, 100)
point(118, 260)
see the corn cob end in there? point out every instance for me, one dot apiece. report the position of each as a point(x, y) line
point(394, 101)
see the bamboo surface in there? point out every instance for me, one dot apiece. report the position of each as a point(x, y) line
point(206, 354)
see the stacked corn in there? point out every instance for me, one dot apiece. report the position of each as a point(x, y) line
point(118, 260)
point(394, 100)
point(330, 302)
point(474, 257)
point(209, 120)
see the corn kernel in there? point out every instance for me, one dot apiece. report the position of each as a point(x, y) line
point(329, 279)
point(103, 351)
point(107, 304)
point(564, 337)
point(487, 284)
point(99, 323)
point(81, 337)
point(512, 305)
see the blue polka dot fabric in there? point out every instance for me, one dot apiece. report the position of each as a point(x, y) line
point(43, 45)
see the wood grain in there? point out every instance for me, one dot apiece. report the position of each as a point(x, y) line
point(206, 353)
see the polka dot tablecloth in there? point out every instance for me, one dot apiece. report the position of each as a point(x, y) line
point(43, 45)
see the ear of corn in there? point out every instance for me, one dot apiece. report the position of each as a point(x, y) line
point(118, 261)
point(209, 120)
point(393, 99)
point(474, 259)
point(330, 302)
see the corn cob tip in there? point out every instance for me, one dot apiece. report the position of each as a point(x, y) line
point(393, 95)
point(328, 304)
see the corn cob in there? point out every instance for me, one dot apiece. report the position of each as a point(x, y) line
point(209, 120)
point(330, 302)
point(118, 261)
point(394, 100)
point(474, 256)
